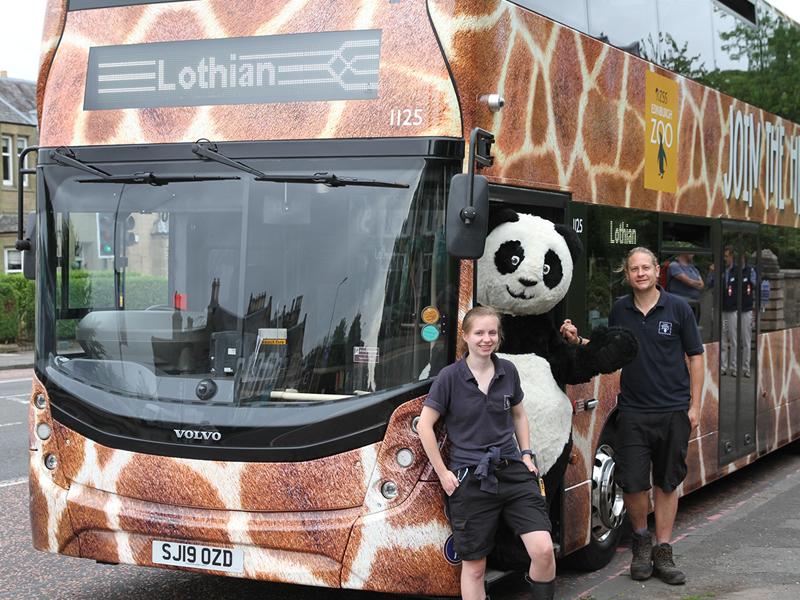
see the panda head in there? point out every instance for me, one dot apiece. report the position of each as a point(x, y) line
point(526, 267)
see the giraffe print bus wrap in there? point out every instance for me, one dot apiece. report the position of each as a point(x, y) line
point(574, 121)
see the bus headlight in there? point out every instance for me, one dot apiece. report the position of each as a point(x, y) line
point(389, 490)
point(43, 431)
point(50, 461)
point(405, 457)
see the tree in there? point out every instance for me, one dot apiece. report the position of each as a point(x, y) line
point(772, 52)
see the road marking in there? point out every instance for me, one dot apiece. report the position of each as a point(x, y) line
point(26, 379)
point(18, 398)
point(10, 482)
point(10, 424)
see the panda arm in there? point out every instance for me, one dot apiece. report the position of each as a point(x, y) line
point(569, 363)
point(609, 349)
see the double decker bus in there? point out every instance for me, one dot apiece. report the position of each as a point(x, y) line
point(244, 288)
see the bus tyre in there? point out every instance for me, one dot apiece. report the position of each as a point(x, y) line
point(608, 514)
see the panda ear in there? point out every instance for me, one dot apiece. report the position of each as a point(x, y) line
point(573, 241)
point(502, 215)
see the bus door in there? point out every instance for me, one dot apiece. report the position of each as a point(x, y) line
point(553, 207)
point(739, 302)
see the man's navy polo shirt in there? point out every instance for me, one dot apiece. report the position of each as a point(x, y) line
point(476, 421)
point(657, 380)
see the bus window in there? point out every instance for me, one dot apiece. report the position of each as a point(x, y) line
point(687, 270)
point(610, 234)
point(780, 278)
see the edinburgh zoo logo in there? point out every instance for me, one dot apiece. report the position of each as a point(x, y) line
point(327, 66)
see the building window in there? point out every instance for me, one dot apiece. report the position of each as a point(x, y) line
point(22, 143)
point(8, 178)
point(13, 260)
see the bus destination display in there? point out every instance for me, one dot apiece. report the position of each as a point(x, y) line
point(327, 66)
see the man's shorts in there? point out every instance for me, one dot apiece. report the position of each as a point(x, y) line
point(660, 439)
point(475, 514)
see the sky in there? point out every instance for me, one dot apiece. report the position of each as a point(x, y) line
point(22, 33)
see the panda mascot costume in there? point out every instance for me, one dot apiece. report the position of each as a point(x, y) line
point(525, 271)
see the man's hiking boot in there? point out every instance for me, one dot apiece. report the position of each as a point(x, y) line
point(664, 567)
point(541, 590)
point(642, 561)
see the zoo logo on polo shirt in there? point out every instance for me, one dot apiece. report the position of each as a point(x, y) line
point(664, 328)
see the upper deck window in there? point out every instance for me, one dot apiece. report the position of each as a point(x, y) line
point(569, 12)
point(744, 8)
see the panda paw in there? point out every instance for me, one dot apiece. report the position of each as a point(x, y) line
point(612, 348)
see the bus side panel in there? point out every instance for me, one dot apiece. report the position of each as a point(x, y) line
point(416, 96)
point(54, 18)
point(778, 417)
point(702, 455)
point(51, 527)
point(576, 528)
point(587, 428)
point(402, 550)
point(576, 116)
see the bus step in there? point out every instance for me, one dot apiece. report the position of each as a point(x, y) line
point(492, 576)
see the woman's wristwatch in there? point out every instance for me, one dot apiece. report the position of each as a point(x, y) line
point(529, 453)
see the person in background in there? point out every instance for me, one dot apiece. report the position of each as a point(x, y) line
point(733, 313)
point(492, 472)
point(685, 280)
point(659, 406)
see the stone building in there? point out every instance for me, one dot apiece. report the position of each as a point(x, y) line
point(18, 129)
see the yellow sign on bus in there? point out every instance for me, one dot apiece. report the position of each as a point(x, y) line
point(661, 141)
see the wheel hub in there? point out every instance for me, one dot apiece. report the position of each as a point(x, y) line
point(608, 508)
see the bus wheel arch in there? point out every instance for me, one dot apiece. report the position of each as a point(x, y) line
point(607, 507)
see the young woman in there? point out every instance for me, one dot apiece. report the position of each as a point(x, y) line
point(489, 476)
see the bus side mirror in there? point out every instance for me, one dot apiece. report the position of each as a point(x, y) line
point(27, 247)
point(467, 222)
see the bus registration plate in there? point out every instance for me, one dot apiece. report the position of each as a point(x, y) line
point(230, 560)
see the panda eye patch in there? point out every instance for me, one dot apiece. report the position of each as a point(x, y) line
point(509, 256)
point(552, 269)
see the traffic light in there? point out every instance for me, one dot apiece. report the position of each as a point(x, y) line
point(105, 235)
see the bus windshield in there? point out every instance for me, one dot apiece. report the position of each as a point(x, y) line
point(238, 292)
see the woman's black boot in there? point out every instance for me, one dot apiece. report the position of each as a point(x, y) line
point(541, 590)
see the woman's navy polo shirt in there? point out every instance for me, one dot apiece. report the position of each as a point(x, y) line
point(657, 380)
point(476, 421)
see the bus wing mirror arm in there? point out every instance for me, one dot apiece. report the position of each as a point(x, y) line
point(25, 245)
point(468, 201)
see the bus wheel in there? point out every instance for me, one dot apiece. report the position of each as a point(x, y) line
point(608, 513)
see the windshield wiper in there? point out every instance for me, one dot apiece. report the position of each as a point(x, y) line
point(153, 179)
point(331, 180)
point(65, 156)
point(208, 149)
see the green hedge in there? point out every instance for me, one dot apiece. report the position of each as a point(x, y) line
point(86, 289)
point(95, 289)
point(16, 308)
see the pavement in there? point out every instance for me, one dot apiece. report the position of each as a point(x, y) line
point(14, 357)
point(742, 543)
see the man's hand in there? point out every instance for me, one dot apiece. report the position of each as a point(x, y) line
point(449, 482)
point(694, 416)
point(569, 331)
